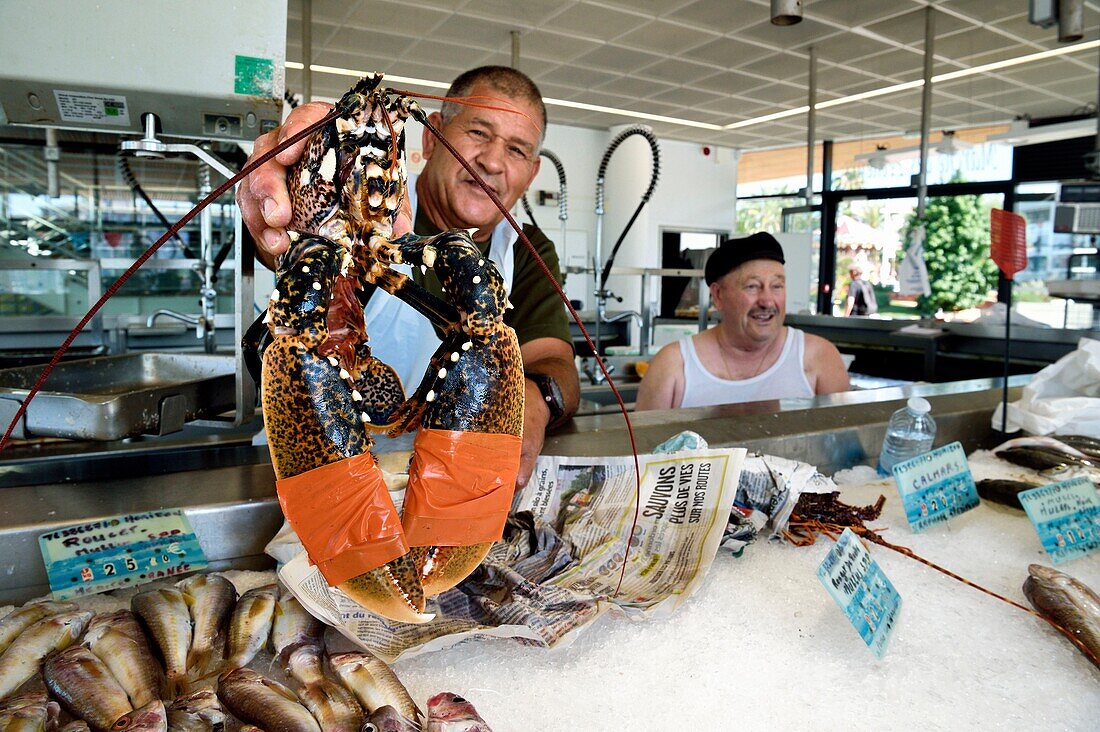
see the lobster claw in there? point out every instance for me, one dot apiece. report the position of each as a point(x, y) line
point(392, 591)
point(442, 567)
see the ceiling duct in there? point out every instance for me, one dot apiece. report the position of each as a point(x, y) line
point(786, 12)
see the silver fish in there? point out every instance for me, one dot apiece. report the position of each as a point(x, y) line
point(15, 622)
point(84, 686)
point(1069, 603)
point(77, 725)
point(373, 682)
point(449, 712)
point(118, 640)
point(388, 719)
point(293, 626)
point(303, 663)
point(333, 706)
point(250, 625)
point(263, 702)
point(32, 712)
point(164, 612)
point(150, 718)
point(21, 659)
point(198, 712)
point(211, 598)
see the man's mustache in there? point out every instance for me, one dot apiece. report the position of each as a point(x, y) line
point(764, 311)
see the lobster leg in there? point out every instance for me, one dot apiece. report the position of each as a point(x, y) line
point(314, 421)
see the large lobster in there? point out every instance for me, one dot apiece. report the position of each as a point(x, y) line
point(324, 394)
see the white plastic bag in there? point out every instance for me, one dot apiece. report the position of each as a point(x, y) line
point(1064, 397)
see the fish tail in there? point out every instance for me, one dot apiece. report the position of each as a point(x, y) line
point(202, 663)
point(207, 673)
point(177, 686)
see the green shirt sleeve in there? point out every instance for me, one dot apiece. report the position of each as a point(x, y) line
point(539, 311)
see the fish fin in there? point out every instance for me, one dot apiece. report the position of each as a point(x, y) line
point(280, 689)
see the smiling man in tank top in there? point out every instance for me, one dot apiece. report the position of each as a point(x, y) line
point(750, 355)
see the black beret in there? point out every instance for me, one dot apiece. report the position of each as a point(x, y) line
point(732, 253)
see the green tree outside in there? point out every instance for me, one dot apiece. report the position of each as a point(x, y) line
point(956, 251)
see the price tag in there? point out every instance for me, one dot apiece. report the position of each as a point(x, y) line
point(120, 551)
point(861, 590)
point(936, 486)
point(1066, 517)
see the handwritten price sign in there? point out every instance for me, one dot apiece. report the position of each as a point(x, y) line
point(865, 596)
point(936, 486)
point(1066, 517)
point(119, 551)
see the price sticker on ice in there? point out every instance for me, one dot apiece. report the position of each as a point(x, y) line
point(119, 551)
point(859, 587)
point(1066, 517)
point(936, 486)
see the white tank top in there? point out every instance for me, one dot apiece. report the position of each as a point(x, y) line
point(786, 378)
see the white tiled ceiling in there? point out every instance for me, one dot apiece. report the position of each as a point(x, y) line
point(714, 61)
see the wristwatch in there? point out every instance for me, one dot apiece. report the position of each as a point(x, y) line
point(551, 392)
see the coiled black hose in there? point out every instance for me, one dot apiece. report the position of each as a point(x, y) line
point(647, 133)
point(563, 212)
point(128, 176)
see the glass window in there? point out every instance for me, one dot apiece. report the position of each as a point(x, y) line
point(1054, 260)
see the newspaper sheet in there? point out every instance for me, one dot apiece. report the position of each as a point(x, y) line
point(685, 502)
point(561, 557)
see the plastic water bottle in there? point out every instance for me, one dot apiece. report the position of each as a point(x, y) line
point(910, 432)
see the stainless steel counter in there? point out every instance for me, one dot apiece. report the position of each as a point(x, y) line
point(832, 432)
point(227, 490)
point(939, 351)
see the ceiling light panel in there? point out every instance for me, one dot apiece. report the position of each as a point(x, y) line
point(908, 28)
point(858, 12)
point(725, 17)
point(596, 22)
point(663, 37)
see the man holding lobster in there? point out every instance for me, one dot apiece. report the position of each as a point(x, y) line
point(503, 146)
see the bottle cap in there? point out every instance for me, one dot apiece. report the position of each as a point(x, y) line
point(919, 405)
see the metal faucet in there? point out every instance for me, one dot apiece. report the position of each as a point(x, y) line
point(175, 315)
point(588, 365)
point(149, 146)
point(592, 371)
point(204, 328)
point(601, 310)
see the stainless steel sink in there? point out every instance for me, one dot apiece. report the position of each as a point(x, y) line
point(598, 399)
point(119, 396)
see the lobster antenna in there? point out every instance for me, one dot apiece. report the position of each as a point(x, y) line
point(466, 102)
point(576, 318)
point(6, 439)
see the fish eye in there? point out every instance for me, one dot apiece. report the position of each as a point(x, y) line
point(369, 727)
point(122, 722)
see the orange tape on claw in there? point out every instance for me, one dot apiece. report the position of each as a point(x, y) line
point(460, 487)
point(344, 516)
